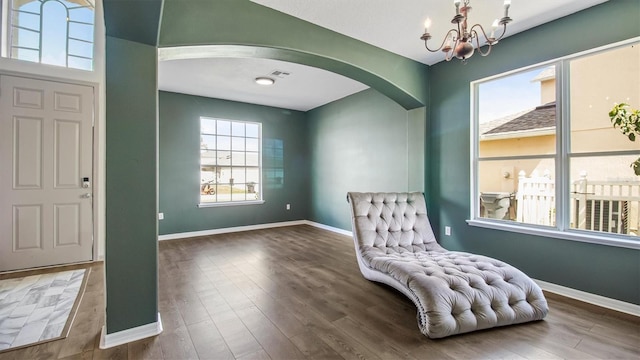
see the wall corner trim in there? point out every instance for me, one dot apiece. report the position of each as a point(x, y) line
point(605, 302)
point(130, 335)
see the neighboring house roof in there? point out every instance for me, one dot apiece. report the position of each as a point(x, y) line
point(490, 125)
point(542, 117)
point(546, 74)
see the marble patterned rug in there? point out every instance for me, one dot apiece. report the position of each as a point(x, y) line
point(39, 308)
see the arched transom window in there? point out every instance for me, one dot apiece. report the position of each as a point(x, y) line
point(55, 32)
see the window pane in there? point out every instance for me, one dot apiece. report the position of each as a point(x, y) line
point(237, 143)
point(54, 46)
point(253, 130)
point(253, 159)
point(224, 158)
point(79, 48)
point(79, 63)
point(598, 82)
point(253, 144)
point(25, 54)
point(237, 158)
point(237, 129)
point(207, 142)
point(518, 190)
point(224, 127)
point(28, 39)
point(605, 195)
point(517, 114)
point(207, 174)
point(239, 175)
point(207, 184)
point(81, 31)
point(252, 190)
point(253, 175)
point(224, 175)
point(207, 126)
point(238, 194)
point(224, 142)
point(208, 157)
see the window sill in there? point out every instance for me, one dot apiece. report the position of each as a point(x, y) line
point(231, 203)
point(574, 235)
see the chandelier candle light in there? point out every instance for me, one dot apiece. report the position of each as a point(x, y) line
point(459, 42)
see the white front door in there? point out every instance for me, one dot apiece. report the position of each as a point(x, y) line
point(46, 166)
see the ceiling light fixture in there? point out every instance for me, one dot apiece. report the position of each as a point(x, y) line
point(263, 80)
point(459, 42)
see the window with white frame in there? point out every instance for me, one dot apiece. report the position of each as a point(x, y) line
point(546, 156)
point(230, 162)
point(54, 32)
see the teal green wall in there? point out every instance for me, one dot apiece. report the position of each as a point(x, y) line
point(361, 143)
point(133, 20)
point(131, 250)
point(272, 34)
point(609, 271)
point(179, 162)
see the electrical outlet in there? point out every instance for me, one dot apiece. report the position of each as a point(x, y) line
point(447, 230)
point(160, 216)
point(288, 206)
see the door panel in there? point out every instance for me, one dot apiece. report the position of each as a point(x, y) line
point(27, 153)
point(28, 98)
point(67, 144)
point(46, 139)
point(67, 102)
point(66, 223)
point(27, 228)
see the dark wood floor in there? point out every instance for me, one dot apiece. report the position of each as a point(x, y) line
point(296, 292)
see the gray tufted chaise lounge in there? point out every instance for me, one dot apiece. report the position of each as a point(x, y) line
point(455, 292)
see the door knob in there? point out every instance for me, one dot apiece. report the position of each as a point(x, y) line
point(86, 196)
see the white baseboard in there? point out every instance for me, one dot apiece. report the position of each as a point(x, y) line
point(229, 230)
point(594, 299)
point(129, 335)
point(330, 228)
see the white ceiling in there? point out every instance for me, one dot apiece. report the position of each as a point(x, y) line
point(392, 25)
point(303, 89)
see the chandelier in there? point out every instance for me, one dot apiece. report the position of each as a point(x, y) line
point(460, 42)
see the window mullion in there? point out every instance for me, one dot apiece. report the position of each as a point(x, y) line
point(474, 141)
point(563, 138)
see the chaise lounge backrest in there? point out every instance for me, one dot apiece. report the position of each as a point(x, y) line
point(391, 222)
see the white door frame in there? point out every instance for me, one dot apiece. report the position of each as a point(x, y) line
point(96, 189)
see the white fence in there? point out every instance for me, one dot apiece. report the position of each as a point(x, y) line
point(536, 199)
point(608, 206)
